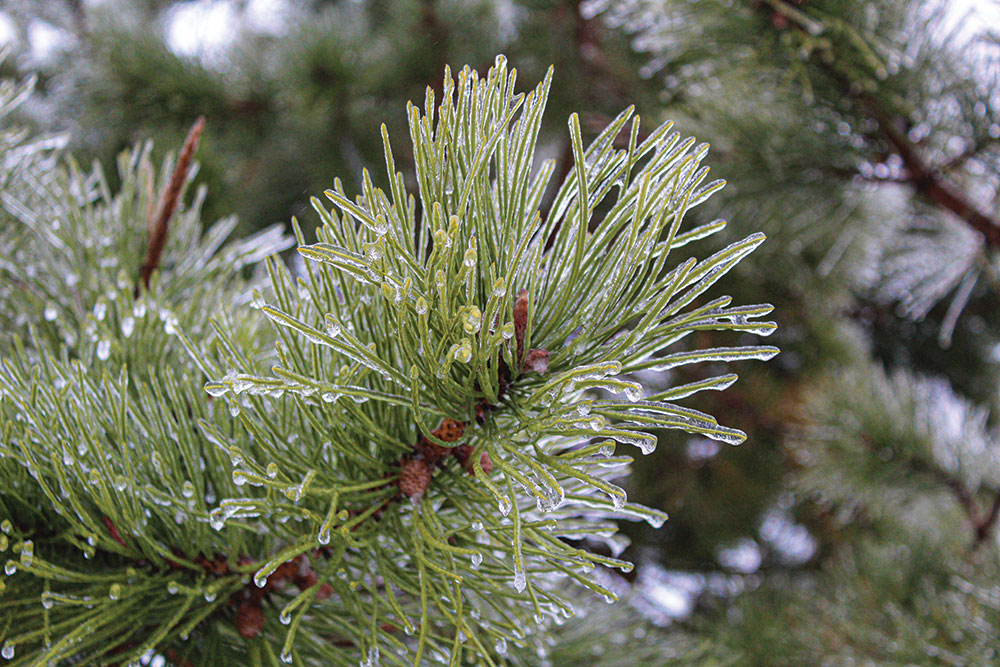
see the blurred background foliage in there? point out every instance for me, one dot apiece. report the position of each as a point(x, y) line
point(857, 523)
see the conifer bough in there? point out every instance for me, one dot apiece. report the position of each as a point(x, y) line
point(416, 462)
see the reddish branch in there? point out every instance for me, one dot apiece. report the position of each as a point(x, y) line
point(926, 179)
point(929, 182)
point(158, 227)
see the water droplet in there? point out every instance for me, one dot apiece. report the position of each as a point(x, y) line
point(504, 505)
point(115, 592)
point(27, 553)
point(520, 580)
point(187, 489)
point(234, 408)
point(128, 326)
point(477, 560)
point(286, 656)
point(285, 617)
point(103, 350)
point(502, 646)
point(210, 596)
point(216, 389)
point(333, 327)
point(260, 580)
point(239, 478)
point(47, 601)
point(7, 651)
point(477, 525)
point(10, 568)
point(100, 310)
point(50, 312)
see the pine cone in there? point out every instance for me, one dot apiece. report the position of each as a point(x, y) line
point(249, 620)
point(414, 478)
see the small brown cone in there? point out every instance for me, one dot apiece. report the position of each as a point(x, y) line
point(450, 430)
point(537, 360)
point(431, 451)
point(249, 620)
point(414, 478)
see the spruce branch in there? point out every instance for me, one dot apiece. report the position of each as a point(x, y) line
point(159, 226)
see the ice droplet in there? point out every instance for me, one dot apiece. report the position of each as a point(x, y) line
point(477, 525)
point(260, 580)
point(333, 327)
point(115, 592)
point(421, 306)
point(100, 310)
point(7, 651)
point(286, 656)
point(187, 489)
point(47, 601)
point(520, 580)
point(27, 553)
point(103, 350)
point(272, 470)
point(285, 617)
point(10, 568)
point(504, 505)
point(502, 646)
point(139, 310)
point(477, 560)
point(50, 312)
point(239, 478)
point(128, 326)
point(216, 389)
point(234, 408)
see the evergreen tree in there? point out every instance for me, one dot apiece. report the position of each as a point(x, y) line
point(863, 138)
point(413, 464)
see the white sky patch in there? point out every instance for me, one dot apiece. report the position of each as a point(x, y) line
point(742, 556)
point(46, 40)
point(972, 17)
point(201, 29)
point(206, 29)
point(8, 31)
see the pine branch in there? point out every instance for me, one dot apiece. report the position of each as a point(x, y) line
point(159, 227)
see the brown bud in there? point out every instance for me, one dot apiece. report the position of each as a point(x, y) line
point(249, 620)
point(305, 580)
point(520, 320)
point(414, 478)
point(325, 591)
point(486, 462)
point(462, 453)
point(537, 360)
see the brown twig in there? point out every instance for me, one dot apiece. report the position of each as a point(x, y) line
point(159, 226)
point(985, 524)
point(928, 181)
